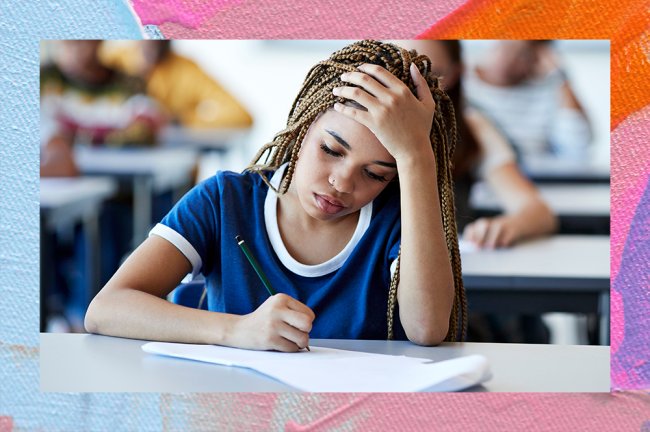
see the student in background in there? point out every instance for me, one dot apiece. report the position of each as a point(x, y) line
point(521, 87)
point(84, 101)
point(484, 154)
point(189, 95)
point(337, 233)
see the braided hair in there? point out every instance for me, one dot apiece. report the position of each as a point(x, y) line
point(316, 97)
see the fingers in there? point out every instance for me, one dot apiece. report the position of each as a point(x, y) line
point(490, 233)
point(477, 231)
point(297, 306)
point(294, 323)
point(297, 338)
point(356, 94)
point(367, 82)
point(421, 87)
point(380, 74)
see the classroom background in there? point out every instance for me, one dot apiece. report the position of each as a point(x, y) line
point(102, 203)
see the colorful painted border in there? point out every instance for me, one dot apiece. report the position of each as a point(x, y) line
point(23, 407)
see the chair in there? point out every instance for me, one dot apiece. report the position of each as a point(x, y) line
point(190, 295)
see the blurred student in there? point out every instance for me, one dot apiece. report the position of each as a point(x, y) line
point(190, 96)
point(522, 87)
point(84, 101)
point(483, 153)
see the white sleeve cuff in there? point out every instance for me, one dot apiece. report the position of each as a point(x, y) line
point(181, 244)
point(393, 267)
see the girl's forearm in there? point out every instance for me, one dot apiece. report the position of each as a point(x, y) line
point(426, 288)
point(134, 314)
point(533, 219)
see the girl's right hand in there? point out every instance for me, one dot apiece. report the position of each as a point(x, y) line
point(281, 323)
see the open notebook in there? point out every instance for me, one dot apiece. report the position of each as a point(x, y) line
point(334, 370)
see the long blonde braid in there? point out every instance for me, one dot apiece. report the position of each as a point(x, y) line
point(315, 97)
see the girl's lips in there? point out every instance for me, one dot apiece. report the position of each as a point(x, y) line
point(328, 204)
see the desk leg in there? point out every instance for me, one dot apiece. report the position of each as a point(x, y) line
point(142, 204)
point(603, 331)
point(92, 260)
point(47, 271)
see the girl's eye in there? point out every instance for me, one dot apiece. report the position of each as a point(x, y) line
point(329, 151)
point(376, 177)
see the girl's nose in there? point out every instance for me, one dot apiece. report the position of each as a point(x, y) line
point(342, 180)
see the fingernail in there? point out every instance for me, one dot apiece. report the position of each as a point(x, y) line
point(344, 76)
point(336, 90)
point(337, 106)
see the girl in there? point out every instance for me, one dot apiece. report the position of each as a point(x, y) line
point(353, 251)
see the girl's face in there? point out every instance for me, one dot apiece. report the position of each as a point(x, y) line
point(341, 167)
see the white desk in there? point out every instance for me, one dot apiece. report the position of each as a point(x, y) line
point(147, 171)
point(576, 205)
point(550, 170)
point(91, 363)
point(204, 139)
point(563, 273)
point(66, 201)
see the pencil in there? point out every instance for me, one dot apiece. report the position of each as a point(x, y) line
point(256, 267)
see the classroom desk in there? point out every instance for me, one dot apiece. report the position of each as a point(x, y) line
point(581, 208)
point(562, 273)
point(64, 202)
point(146, 170)
point(92, 363)
point(204, 139)
point(554, 170)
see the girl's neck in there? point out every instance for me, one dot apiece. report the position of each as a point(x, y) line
point(308, 240)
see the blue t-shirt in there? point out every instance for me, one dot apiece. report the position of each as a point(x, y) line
point(348, 293)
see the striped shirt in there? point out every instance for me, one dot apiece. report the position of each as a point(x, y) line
point(531, 117)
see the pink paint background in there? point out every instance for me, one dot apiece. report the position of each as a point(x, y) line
point(340, 19)
point(287, 19)
point(629, 178)
point(6, 424)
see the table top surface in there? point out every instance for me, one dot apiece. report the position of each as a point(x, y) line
point(562, 198)
point(92, 363)
point(549, 168)
point(61, 191)
point(558, 256)
point(135, 161)
point(203, 138)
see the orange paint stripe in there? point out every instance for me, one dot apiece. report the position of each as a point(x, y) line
point(626, 24)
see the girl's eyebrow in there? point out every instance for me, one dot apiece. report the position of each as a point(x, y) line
point(345, 144)
point(337, 137)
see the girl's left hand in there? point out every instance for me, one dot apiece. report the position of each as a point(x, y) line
point(400, 121)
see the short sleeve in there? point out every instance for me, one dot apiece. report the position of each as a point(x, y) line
point(192, 225)
point(495, 149)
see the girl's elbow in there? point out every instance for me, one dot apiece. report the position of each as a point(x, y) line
point(90, 320)
point(93, 319)
point(428, 335)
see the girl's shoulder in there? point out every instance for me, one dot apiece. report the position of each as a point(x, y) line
point(246, 179)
